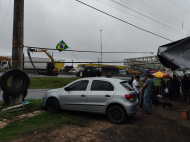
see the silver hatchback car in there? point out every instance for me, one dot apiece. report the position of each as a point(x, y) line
point(111, 96)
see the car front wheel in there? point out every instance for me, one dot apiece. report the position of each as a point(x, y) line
point(116, 114)
point(53, 105)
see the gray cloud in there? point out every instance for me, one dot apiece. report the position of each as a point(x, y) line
point(49, 21)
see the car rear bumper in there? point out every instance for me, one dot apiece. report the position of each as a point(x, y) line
point(132, 108)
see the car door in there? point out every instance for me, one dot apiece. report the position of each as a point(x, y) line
point(99, 95)
point(75, 97)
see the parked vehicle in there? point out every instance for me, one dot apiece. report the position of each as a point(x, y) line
point(86, 71)
point(113, 97)
point(110, 69)
point(67, 68)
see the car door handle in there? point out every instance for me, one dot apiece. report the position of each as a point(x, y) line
point(107, 95)
point(83, 95)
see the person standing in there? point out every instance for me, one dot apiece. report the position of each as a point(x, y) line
point(136, 85)
point(131, 80)
point(176, 87)
point(162, 86)
point(170, 86)
point(149, 89)
point(142, 94)
point(185, 86)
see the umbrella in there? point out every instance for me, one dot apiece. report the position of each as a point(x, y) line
point(160, 74)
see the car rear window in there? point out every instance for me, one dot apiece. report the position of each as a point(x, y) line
point(98, 85)
point(127, 86)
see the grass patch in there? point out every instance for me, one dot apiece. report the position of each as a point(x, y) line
point(42, 122)
point(33, 106)
point(49, 82)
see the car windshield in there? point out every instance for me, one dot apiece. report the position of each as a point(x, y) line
point(127, 86)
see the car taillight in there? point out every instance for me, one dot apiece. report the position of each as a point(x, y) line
point(129, 97)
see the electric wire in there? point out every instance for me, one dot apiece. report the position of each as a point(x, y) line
point(124, 21)
point(145, 16)
point(5, 19)
point(178, 5)
point(86, 50)
point(141, 18)
point(152, 13)
point(159, 11)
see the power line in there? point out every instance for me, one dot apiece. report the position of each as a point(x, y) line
point(124, 21)
point(178, 5)
point(145, 16)
point(154, 9)
point(187, 1)
point(153, 13)
point(87, 51)
point(5, 18)
point(139, 18)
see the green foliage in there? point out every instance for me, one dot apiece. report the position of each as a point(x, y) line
point(49, 82)
point(42, 122)
point(33, 106)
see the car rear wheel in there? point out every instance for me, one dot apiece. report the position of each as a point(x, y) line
point(116, 114)
point(53, 105)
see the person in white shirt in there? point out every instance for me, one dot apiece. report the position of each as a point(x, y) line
point(136, 85)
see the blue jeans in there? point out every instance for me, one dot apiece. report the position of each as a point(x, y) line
point(141, 99)
point(148, 102)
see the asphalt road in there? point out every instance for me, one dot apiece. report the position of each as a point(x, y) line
point(64, 76)
point(33, 93)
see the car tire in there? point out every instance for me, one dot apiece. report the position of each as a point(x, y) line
point(116, 114)
point(14, 92)
point(53, 105)
point(99, 73)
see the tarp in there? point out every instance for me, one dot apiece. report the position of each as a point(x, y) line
point(176, 54)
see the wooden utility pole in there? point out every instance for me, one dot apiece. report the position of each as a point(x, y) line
point(17, 48)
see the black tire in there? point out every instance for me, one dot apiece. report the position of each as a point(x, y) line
point(53, 105)
point(99, 73)
point(14, 92)
point(116, 114)
point(6, 98)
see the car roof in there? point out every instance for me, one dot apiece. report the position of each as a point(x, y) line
point(103, 78)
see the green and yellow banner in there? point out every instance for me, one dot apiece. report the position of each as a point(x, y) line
point(61, 46)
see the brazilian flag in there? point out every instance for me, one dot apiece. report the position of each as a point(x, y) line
point(61, 46)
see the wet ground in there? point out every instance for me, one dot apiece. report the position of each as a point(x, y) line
point(163, 125)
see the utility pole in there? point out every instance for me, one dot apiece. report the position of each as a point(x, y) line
point(17, 47)
point(101, 44)
point(98, 62)
point(72, 63)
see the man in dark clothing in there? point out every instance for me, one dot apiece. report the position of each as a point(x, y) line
point(131, 80)
point(185, 86)
point(162, 86)
point(170, 86)
point(176, 87)
point(142, 94)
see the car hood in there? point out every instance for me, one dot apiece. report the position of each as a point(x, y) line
point(53, 90)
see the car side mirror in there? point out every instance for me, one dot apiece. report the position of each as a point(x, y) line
point(66, 88)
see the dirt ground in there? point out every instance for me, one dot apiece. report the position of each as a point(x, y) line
point(163, 125)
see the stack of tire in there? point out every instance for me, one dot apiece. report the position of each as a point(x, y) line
point(10, 92)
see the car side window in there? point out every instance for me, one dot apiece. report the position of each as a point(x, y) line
point(79, 86)
point(98, 85)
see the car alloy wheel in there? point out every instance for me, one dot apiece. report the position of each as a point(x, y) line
point(116, 114)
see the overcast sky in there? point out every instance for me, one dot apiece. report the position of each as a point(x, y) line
point(47, 22)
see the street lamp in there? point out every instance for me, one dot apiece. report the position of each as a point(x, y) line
point(101, 44)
